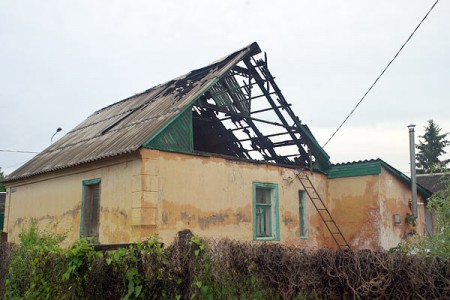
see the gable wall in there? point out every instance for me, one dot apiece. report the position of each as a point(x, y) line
point(395, 198)
point(353, 203)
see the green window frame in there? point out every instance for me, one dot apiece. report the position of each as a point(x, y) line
point(90, 209)
point(303, 215)
point(266, 224)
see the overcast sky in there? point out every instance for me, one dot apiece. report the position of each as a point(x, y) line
point(62, 60)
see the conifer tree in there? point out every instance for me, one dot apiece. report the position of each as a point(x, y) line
point(432, 146)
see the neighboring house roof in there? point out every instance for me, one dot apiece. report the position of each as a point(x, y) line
point(372, 167)
point(433, 182)
point(207, 109)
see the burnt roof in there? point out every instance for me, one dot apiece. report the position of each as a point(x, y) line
point(126, 126)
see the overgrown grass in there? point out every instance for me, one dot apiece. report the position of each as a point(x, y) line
point(194, 268)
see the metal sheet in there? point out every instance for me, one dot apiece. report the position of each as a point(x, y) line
point(124, 126)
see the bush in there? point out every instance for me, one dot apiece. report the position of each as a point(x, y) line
point(5, 256)
point(195, 268)
point(31, 272)
point(439, 243)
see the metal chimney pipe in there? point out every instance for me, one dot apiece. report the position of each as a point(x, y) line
point(412, 157)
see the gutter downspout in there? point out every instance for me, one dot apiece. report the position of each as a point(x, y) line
point(412, 153)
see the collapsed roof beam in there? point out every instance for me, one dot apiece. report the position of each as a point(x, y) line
point(244, 117)
point(204, 114)
point(266, 73)
point(270, 135)
point(240, 70)
point(255, 112)
point(266, 109)
point(265, 143)
point(260, 81)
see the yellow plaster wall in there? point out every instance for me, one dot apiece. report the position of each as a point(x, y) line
point(364, 208)
point(167, 192)
point(55, 201)
point(395, 198)
point(353, 203)
point(213, 197)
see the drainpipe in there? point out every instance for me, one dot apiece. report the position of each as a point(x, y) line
point(412, 153)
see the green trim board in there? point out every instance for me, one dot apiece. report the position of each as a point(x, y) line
point(420, 189)
point(91, 181)
point(168, 136)
point(273, 207)
point(323, 159)
point(363, 168)
point(177, 136)
point(371, 167)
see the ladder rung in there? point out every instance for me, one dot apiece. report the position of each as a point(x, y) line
point(314, 196)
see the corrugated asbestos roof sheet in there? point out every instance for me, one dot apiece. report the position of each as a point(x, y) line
point(123, 127)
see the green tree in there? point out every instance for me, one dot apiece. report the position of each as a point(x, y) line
point(439, 203)
point(437, 244)
point(430, 149)
point(2, 186)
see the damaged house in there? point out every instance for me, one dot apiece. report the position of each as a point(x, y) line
point(218, 151)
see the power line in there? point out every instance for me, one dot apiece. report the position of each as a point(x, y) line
point(17, 151)
point(381, 74)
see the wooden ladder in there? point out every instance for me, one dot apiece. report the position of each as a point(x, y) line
point(321, 208)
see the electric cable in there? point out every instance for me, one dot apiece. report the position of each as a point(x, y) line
point(17, 151)
point(381, 74)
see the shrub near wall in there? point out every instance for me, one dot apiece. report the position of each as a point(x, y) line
point(5, 251)
point(218, 269)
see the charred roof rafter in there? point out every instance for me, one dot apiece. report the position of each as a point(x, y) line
point(248, 89)
point(219, 108)
point(266, 91)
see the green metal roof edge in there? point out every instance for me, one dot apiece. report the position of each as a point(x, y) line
point(354, 169)
point(420, 189)
point(323, 158)
point(372, 167)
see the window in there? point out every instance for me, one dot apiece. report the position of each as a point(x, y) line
point(303, 214)
point(265, 212)
point(90, 208)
